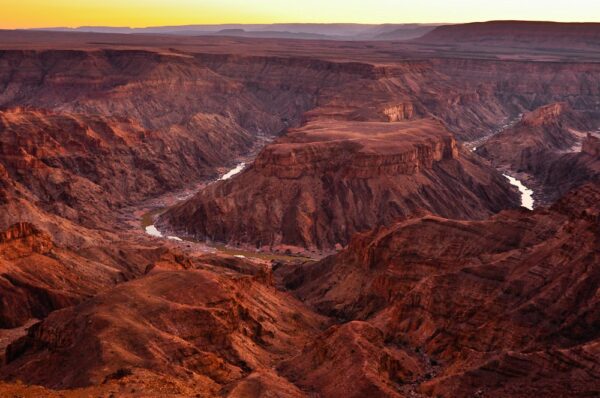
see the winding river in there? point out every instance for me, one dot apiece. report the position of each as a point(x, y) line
point(153, 231)
point(527, 200)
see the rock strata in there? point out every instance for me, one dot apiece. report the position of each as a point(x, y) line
point(320, 184)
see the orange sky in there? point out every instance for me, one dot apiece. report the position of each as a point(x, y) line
point(139, 13)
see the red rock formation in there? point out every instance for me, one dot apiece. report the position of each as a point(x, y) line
point(320, 184)
point(591, 146)
point(562, 173)
point(352, 360)
point(539, 135)
point(506, 306)
point(204, 330)
point(548, 144)
point(83, 167)
point(37, 277)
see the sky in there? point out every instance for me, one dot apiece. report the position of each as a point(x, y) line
point(142, 13)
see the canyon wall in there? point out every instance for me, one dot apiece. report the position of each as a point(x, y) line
point(552, 145)
point(441, 290)
point(318, 185)
point(507, 306)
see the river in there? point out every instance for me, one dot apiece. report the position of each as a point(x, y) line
point(153, 231)
point(526, 193)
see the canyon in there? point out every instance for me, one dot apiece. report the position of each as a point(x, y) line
point(324, 218)
point(319, 185)
point(468, 294)
point(552, 147)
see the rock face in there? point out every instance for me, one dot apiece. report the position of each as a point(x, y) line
point(83, 167)
point(571, 169)
point(191, 330)
point(353, 360)
point(591, 146)
point(38, 277)
point(436, 299)
point(506, 306)
point(320, 184)
point(540, 134)
point(553, 145)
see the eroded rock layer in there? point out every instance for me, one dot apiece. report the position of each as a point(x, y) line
point(503, 307)
point(320, 184)
point(553, 145)
point(437, 299)
point(179, 331)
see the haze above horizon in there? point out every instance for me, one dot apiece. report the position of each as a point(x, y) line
point(143, 13)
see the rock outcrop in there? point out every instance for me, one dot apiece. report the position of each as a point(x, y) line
point(84, 167)
point(505, 307)
point(571, 169)
point(591, 146)
point(553, 145)
point(38, 277)
point(192, 330)
point(353, 360)
point(539, 135)
point(320, 184)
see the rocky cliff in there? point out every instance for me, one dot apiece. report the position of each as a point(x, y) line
point(173, 332)
point(538, 136)
point(591, 146)
point(37, 276)
point(491, 303)
point(320, 184)
point(571, 169)
point(552, 144)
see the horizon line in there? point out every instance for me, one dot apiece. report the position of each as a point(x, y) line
point(297, 23)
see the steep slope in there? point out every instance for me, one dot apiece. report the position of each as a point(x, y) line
point(82, 167)
point(540, 134)
point(245, 93)
point(318, 185)
point(178, 331)
point(572, 169)
point(37, 276)
point(506, 306)
point(548, 145)
point(353, 360)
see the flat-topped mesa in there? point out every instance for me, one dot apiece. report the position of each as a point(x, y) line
point(364, 150)
point(518, 34)
point(320, 184)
